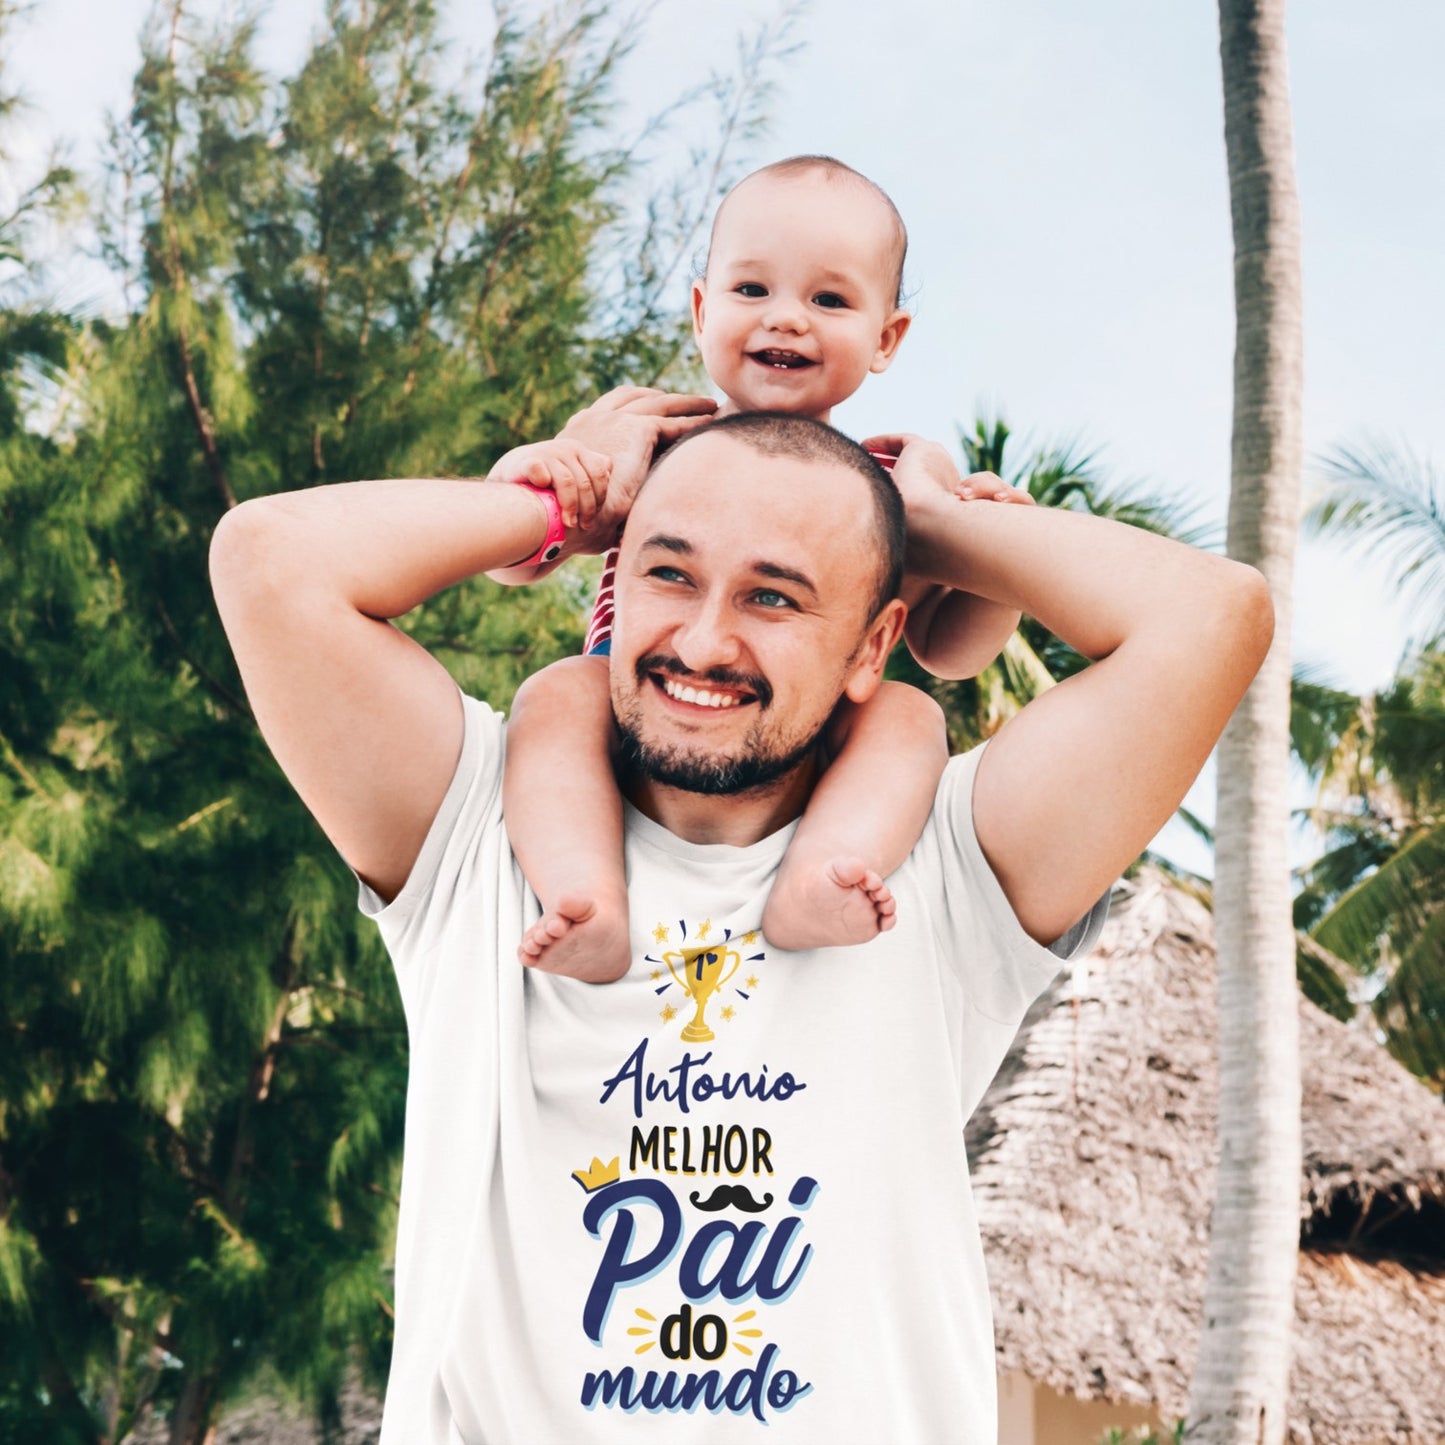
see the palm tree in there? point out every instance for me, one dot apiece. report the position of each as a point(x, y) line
point(1241, 1379)
point(1374, 903)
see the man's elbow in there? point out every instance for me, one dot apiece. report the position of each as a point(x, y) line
point(246, 553)
point(1252, 609)
point(1237, 618)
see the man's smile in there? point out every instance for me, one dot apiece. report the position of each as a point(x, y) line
point(701, 696)
point(718, 689)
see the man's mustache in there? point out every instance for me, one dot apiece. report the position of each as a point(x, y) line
point(735, 1196)
point(751, 682)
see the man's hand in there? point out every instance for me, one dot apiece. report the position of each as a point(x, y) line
point(924, 473)
point(629, 425)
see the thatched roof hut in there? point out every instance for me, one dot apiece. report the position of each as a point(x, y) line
point(1093, 1163)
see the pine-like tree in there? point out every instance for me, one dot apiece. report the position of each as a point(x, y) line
point(379, 269)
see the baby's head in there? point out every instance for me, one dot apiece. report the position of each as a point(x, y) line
point(801, 298)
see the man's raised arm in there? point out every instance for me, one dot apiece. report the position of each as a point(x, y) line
point(1073, 788)
point(364, 722)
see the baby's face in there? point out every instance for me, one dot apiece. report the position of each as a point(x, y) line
point(798, 303)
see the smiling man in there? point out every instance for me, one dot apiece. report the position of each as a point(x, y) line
point(734, 649)
point(726, 1196)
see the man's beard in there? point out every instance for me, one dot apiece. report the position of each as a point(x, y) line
point(675, 767)
point(692, 774)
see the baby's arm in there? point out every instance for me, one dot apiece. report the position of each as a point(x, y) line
point(956, 634)
point(559, 795)
point(863, 819)
point(576, 474)
point(564, 816)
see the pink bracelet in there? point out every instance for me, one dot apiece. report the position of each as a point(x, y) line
point(556, 528)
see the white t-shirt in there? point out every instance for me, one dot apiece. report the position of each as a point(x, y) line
point(559, 1274)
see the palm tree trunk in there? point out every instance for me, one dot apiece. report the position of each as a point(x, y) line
point(1241, 1382)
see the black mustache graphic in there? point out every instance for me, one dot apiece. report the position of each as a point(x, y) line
point(736, 1195)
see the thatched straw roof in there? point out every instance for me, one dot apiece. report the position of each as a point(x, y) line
point(1093, 1163)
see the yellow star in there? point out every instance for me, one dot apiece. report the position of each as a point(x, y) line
point(752, 980)
point(729, 1013)
point(705, 928)
point(660, 932)
point(751, 936)
point(656, 974)
point(668, 1013)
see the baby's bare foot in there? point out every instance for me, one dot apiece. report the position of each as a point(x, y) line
point(582, 938)
point(843, 901)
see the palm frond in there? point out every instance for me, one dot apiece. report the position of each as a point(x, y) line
point(1411, 1007)
point(1055, 475)
point(1197, 826)
point(983, 447)
point(1357, 852)
point(1390, 506)
point(1024, 669)
point(1321, 719)
point(1324, 977)
point(1066, 474)
point(1393, 902)
point(1409, 743)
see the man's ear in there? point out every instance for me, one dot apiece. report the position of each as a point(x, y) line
point(699, 298)
point(889, 339)
point(872, 656)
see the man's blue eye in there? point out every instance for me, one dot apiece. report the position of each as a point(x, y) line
point(774, 600)
point(666, 574)
point(751, 290)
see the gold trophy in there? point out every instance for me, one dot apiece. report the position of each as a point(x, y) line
point(704, 970)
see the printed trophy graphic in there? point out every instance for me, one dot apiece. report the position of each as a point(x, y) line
point(704, 970)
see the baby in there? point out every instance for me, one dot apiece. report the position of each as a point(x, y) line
point(800, 302)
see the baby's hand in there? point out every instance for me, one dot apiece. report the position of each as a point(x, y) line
point(577, 474)
point(985, 487)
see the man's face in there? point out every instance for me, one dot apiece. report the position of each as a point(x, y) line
point(743, 591)
point(798, 303)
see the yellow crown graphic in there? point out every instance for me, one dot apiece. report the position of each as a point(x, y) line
point(599, 1174)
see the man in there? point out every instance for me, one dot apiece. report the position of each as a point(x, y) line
point(728, 1192)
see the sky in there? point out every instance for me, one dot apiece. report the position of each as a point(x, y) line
point(1061, 169)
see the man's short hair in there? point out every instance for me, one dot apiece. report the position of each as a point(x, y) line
point(780, 434)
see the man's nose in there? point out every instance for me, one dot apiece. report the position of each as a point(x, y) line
point(707, 637)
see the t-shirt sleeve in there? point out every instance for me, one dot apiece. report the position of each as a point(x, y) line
point(997, 968)
point(471, 809)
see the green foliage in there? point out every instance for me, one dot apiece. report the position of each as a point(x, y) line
point(1034, 659)
point(1373, 904)
point(376, 269)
